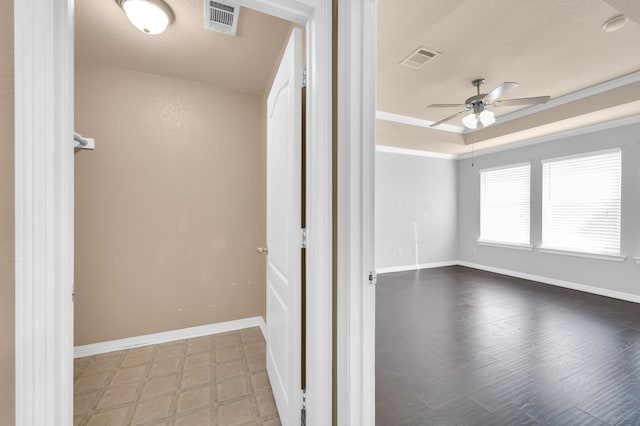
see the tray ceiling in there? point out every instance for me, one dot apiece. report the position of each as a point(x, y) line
point(550, 47)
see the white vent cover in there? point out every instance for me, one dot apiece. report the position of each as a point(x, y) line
point(419, 57)
point(221, 16)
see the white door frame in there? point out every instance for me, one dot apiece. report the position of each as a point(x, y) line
point(44, 205)
point(356, 162)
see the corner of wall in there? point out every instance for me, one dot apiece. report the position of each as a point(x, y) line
point(457, 209)
point(583, 273)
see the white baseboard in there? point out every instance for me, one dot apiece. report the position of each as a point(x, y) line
point(629, 297)
point(168, 336)
point(552, 281)
point(263, 328)
point(415, 267)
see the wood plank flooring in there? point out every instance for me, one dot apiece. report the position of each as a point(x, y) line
point(457, 346)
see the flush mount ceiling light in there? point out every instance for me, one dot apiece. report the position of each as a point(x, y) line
point(614, 24)
point(149, 16)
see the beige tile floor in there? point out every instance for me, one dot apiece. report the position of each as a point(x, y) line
point(213, 380)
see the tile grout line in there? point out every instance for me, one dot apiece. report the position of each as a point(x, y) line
point(239, 347)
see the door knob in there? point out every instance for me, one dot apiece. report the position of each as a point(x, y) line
point(263, 250)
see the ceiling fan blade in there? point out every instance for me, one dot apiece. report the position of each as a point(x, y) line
point(497, 93)
point(451, 117)
point(447, 106)
point(522, 101)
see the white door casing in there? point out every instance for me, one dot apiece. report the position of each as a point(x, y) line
point(356, 82)
point(44, 65)
point(43, 53)
point(284, 198)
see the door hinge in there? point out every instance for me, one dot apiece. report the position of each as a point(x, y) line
point(73, 294)
point(304, 77)
point(303, 242)
point(303, 410)
point(373, 278)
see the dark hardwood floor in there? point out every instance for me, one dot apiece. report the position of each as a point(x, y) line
point(457, 346)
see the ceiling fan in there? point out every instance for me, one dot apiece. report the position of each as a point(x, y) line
point(477, 105)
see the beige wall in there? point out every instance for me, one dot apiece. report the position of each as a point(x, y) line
point(7, 346)
point(170, 207)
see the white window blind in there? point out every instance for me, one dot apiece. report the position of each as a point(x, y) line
point(581, 203)
point(505, 204)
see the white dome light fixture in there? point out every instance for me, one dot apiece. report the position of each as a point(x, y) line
point(149, 16)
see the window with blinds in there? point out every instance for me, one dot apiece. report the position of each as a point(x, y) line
point(581, 203)
point(505, 204)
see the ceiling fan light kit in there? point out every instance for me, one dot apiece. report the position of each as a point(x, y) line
point(487, 118)
point(470, 121)
point(477, 105)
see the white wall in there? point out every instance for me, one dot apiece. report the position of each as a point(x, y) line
point(415, 210)
point(608, 275)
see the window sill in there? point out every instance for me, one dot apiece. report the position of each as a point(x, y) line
point(610, 257)
point(515, 246)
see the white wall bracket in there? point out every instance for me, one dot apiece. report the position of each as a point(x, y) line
point(80, 142)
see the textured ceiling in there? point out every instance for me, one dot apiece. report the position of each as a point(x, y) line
point(186, 49)
point(550, 47)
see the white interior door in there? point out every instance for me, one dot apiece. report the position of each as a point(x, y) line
point(284, 174)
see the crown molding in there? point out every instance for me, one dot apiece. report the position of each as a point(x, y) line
point(418, 122)
point(414, 152)
point(555, 136)
point(542, 139)
point(572, 97)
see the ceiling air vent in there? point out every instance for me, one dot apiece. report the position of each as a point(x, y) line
point(419, 57)
point(221, 16)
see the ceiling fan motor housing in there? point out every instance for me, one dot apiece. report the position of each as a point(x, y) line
point(476, 103)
